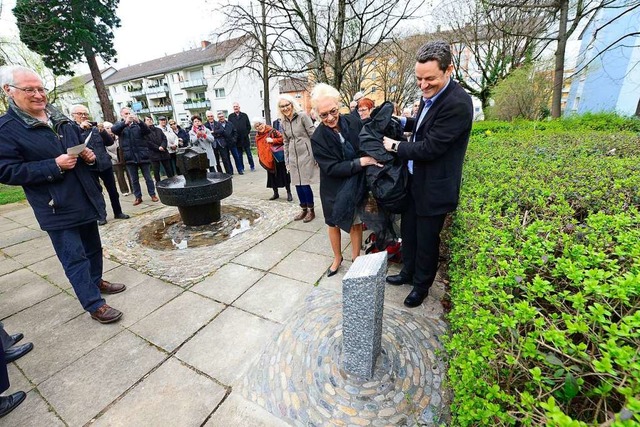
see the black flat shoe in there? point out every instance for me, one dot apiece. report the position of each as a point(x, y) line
point(331, 272)
point(415, 297)
point(275, 196)
point(16, 352)
point(11, 402)
point(399, 279)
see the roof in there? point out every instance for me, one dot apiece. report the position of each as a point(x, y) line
point(202, 55)
point(80, 81)
point(293, 84)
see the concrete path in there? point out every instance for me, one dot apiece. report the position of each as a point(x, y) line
point(179, 354)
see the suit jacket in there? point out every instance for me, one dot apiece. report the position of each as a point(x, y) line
point(438, 151)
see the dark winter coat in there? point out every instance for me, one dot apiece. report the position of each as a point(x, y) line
point(28, 149)
point(242, 124)
point(134, 146)
point(337, 167)
point(98, 143)
point(156, 139)
point(225, 136)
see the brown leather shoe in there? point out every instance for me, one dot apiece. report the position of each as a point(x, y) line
point(136, 202)
point(111, 288)
point(154, 198)
point(310, 216)
point(301, 215)
point(106, 314)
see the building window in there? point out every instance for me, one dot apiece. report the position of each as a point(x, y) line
point(373, 89)
point(298, 95)
point(219, 93)
point(216, 69)
point(261, 97)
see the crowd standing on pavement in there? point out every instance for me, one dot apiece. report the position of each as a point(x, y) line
point(59, 162)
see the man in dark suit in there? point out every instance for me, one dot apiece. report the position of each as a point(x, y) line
point(242, 125)
point(434, 157)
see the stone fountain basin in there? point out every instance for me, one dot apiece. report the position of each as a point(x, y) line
point(175, 191)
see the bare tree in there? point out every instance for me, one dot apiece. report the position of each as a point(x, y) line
point(484, 52)
point(560, 19)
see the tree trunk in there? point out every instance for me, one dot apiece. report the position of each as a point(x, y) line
point(558, 74)
point(265, 65)
point(105, 104)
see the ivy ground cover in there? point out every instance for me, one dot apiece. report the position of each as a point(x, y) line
point(545, 276)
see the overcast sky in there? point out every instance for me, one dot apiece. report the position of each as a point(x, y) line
point(149, 29)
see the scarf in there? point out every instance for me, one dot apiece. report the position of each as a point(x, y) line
point(348, 150)
point(200, 131)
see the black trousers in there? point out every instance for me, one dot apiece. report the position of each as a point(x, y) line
point(420, 245)
point(166, 164)
point(4, 375)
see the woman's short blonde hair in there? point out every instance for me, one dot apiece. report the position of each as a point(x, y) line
point(323, 90)
point(294, 104)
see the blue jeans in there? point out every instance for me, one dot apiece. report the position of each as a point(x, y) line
point(247, 150)
point(305, 194)
point(80, 252)
point(132, 169)
point(237, 158)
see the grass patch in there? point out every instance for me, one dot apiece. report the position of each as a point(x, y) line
point(10, 194)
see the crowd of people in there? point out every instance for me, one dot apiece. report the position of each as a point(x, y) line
point(60, 162)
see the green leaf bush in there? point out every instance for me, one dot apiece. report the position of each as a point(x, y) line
point(545, 275)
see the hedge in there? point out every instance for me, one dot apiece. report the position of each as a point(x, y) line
point(545, 276)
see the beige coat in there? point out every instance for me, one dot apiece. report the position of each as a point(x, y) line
point(297, 148)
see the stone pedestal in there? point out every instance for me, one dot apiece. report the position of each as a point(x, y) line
point(363, 301)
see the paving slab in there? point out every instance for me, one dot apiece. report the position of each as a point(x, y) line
point(17, 235)
point(17, 379)
point(34, 411)
point(303, 266)
point(32, 251)
point(126, 275)
point(17, 278)
point(226, 347)
point(228, 283)
point(45, 316)
point(274, 297)
point(81, 390)
point(24, 296)
point(238, 411)
point(268, 253)
point(56, 349)
point(51, 269)
point(176, 321)
point(7, 265)
point(139, 301)
point(172, 395)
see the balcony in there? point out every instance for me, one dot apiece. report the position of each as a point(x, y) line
point(197, 105)
point(136, 91)
point(157, 90)
point(161, 109)
point(144, 110)
point(195, 83)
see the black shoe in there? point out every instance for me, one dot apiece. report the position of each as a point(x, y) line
point(399, 279)
point(240, 172)
point(275, 196)
point(122, 216)
point(415, 297)
point(331, 272)
point(11, 402)
point(16, 352)
point(289, 197)
point(102, 222)
point(15, 339)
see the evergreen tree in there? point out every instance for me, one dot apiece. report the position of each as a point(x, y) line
point(65, 32)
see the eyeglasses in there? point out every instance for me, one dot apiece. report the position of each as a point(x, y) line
point(31, 91)
point(362, 110)
point(81, 114)
point(333, 112)
point(282, 107)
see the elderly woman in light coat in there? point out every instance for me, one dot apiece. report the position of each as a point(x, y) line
point(297, 128)
point(200, 136)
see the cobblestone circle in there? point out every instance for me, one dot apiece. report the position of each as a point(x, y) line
point(300, 375)
point(186, 267)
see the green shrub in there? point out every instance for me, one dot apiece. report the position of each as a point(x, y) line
point(545, 276)
point(10, 194)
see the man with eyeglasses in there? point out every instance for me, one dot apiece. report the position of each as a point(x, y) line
point(97, 140)
point(37, 151)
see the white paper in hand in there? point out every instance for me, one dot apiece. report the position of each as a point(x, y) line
point(76, 150)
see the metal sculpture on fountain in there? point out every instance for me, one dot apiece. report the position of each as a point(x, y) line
point(196, 193)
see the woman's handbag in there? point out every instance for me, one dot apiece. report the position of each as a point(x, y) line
point(277, 150)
